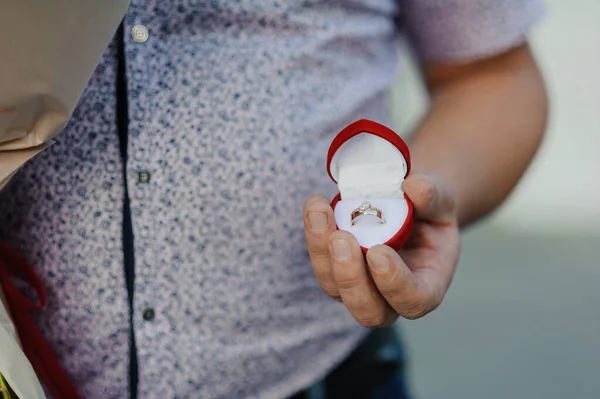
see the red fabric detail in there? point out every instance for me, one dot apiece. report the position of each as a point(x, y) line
point(377, 129)
point(367, 126)
point(35, 347)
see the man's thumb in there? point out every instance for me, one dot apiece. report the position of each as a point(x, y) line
point(432, 197)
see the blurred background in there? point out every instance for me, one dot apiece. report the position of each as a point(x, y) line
point(522, 318)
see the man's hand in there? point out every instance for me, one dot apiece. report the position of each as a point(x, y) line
point(411, 283)
point(485, 122)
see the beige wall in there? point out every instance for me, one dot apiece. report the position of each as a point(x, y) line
point(561, 192)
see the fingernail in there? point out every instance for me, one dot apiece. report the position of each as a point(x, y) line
point(318, 222)
point(340, 249)
point(380, 263)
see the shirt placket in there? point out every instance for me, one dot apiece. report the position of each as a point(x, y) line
point(143, 178)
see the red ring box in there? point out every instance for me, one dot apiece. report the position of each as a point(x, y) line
point(369, 161)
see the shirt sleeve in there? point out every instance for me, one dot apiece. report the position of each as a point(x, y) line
point(466, 30)
point(47, 57)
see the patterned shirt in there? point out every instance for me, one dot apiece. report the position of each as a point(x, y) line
point(230, 107)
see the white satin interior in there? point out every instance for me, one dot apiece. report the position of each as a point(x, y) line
point(367, 230)
point(368, 167)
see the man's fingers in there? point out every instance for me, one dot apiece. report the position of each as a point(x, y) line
point(411, 295)
point(431, 196)
point(319, 223)
point(355, 287)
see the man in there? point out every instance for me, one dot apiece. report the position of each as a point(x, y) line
point(166, 222)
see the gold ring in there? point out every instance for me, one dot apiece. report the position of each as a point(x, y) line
point(366, 209)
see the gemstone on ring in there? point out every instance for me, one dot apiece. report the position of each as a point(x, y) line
point(366, 209)
point(364, 206)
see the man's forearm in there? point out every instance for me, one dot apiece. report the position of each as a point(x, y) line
point(485, 123)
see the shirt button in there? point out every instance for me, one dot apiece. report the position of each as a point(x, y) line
point(148, 314)
point(143, 176)
point(139, 33)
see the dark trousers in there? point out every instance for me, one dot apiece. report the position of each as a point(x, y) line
point(375, 370)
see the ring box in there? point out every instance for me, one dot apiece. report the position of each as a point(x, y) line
point(369, 162)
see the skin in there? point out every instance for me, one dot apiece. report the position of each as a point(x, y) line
point(485, 122)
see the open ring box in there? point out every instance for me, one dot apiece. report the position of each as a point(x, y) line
point(369, 162)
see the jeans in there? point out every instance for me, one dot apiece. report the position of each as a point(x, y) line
point(374, 370)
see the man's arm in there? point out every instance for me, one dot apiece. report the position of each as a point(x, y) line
point(485, 123)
